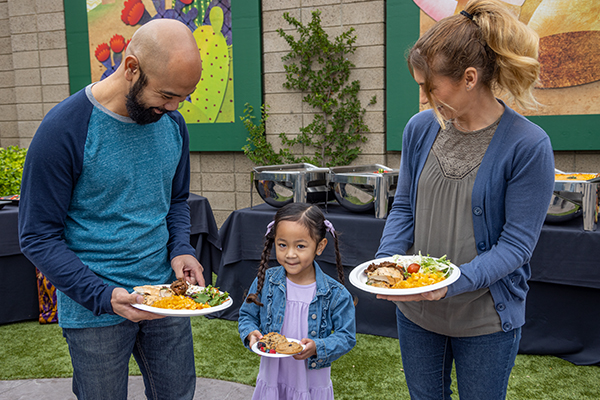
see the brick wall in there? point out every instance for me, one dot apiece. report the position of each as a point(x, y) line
point(33, 66)
point(34, 77)
point(224, 178)
point(8, 103)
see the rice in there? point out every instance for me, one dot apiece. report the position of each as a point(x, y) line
point(178, 302)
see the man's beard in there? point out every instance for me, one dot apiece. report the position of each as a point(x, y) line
point(137, 110)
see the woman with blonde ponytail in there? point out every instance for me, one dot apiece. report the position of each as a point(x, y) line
point(475, 183)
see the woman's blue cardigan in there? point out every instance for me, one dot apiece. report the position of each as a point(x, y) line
point(510, 199)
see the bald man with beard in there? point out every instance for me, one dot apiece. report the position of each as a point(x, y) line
point(104, 208)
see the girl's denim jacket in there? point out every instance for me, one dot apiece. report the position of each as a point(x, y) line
point(331, 315)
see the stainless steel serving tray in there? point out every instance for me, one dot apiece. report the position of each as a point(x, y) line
point(279, 185)
point(574, 198)
point(365, 187)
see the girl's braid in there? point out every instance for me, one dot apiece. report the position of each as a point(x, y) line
point(338, 258)
point(262, 268)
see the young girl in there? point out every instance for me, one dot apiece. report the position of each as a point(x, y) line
point(299, 301)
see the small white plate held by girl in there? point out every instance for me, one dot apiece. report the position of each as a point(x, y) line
point(255, 349)
point(358, 278)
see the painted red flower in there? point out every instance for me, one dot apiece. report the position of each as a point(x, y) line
point(102, 52)
point(186, 2)
point(132, 11)
point(117, 43)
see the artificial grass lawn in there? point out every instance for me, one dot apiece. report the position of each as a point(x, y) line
point(372, 370)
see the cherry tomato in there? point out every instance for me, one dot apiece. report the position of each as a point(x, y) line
point(412, 268)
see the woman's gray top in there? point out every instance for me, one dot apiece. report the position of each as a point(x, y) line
point(444, 226)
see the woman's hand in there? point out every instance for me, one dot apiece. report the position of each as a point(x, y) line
point(309, 350)
point(430, 296)
point(254, 337)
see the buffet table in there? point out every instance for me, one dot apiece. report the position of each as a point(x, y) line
point(563, 317)
point(563, 313)
point(18, 288)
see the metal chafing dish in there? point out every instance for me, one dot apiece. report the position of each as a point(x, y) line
point(279, 185)
point(363, 188)
point(575, 198)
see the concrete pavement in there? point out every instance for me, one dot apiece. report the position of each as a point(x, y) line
point(60, 389)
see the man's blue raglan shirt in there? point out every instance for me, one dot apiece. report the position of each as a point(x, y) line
point(103, 205)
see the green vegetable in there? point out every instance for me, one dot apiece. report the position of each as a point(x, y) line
point(210, 295)
point(201, 298)
point(440, 266)
point(435, 265)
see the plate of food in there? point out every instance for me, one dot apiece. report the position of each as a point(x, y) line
point(276, 345)
point(181, 299)
point(403, 275)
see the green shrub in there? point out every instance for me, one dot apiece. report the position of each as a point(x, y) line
point(11, 169)
point(258, 149)
point(319, 68)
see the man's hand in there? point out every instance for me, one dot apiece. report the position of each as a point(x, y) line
point(122, 300)
point(431, 296)
point(188, 267)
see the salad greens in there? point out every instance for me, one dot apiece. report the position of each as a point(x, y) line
point(210, 295)
point(428, 264)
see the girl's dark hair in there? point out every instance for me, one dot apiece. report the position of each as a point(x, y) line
point(313, 219)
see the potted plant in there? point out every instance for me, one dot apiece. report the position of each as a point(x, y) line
point(12, 159)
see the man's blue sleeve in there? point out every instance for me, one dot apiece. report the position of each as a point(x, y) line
point(52, 167)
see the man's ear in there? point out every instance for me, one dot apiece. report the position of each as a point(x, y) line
point(132, 66)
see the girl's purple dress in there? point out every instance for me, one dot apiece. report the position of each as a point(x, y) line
point(288, 378)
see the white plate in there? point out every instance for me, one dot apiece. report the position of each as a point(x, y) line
point(275, 355)
point(358, 278)
point(184, 313)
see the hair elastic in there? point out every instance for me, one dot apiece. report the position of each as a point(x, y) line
point(329, 227)
point(466, 14)
point(269, 227)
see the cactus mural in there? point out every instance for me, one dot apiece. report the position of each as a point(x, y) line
point(213, 100)
point(215, 66)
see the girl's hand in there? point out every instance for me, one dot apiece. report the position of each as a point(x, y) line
point(431, 296)
point(254, 337)
point(309, 351)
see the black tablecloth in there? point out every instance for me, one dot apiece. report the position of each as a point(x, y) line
point(18, 290)
point(563, 314)
point(562, 307)
point(18, 287)
point(204, 235)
